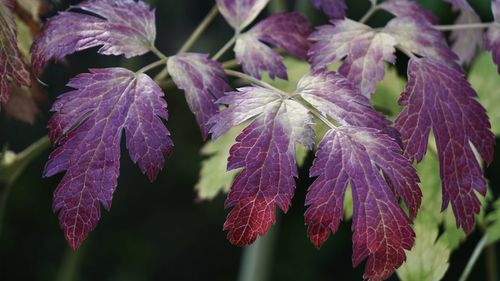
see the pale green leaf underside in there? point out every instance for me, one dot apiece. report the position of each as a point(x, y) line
point(484, 79)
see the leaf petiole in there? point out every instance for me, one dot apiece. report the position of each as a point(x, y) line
point(226, 46)
point(466, 26)
point(200, 29)
point(153, 65)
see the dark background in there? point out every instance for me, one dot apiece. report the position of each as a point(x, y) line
point(159, 231)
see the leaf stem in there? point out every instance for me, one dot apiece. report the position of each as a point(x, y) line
point(226, 46)
point(465, 26)
point(491, 263)
point(474, 257)
point(373, 9)
point(153, 65)
point(157, 52)
point(255, 81)
point(200, 29)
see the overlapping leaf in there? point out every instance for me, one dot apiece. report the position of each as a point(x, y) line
point(364, 50)
point(438, 97)
point(266, 152)
point(467, 41)
point(87, 126)
point(288, 31)
point(122, 27)
point(408, 9)
point(360, 153)
point(381, 229)
point(422, 39)
point(12, 67)
point(240, 13)
point(202, 79)
point(335, 9)
point(493, 34)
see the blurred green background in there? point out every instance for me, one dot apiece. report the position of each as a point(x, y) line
point(160, 231)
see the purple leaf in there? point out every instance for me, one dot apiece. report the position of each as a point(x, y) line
point(492, 42)
point(365, 52)
point(462, 5)
point(203, 81)
point(408, 8)
point(288, 31)
point(89, 122)
point(382, 231)
point(337, 97)
point(266, 152)
point(467, 41)
point(12, 67)
point(422, 39)
point(240, 13)
point(335, 9)
point(128, 28)
point(438, 97)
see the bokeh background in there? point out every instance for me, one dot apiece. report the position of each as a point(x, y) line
point(160, 231)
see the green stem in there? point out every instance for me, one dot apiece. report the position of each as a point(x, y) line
point(373, 9)
point(70, 264)
point(474, 257)
point(199, 30)
point(153, 65)
point(465, 26)
point(14, 169)
point(253, 80)
point(257, 258)
point(226, 46)
point(491, 263)
point(158, 53)
point(3, 204)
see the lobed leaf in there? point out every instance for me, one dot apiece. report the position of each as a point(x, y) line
point(422, 39)
point(266, 152)
point(335, 9)
point(438, 97)
point(382, 231)
point(466, 41)
point(409, 9)
point(87, 127)
point(288, 31)
point(240, 13)
point(120, 27)
point(364, 50)
point(13, 69)
point(203, 81)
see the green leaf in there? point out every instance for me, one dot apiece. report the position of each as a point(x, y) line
point(429, 258)
point(295, 68)
point(214, 177)
point(484, 79)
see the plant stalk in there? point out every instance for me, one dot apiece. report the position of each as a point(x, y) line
point(226, 47)
point(200, 29)
point(474, 257)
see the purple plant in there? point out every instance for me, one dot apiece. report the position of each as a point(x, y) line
point(360, 148)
